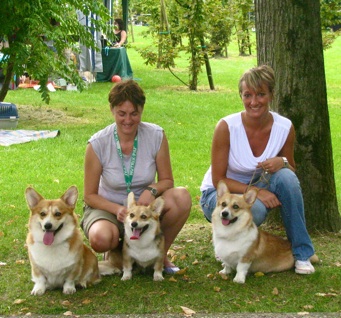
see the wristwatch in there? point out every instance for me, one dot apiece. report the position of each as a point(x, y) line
point(153, 191)
point(285, 162)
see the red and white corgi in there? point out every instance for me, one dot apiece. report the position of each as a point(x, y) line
point(239, 244)
point(58, 256)
point(143, 241)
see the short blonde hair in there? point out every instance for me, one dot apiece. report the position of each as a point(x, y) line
point(256, 77)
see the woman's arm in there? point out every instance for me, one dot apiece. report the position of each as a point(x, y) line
point(165, 179)
point(92, 175)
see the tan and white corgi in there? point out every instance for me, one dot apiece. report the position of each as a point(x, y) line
point(58, 256)
point(143, 241)
point(239, 244)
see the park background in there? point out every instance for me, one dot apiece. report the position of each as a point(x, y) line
point(189, 118)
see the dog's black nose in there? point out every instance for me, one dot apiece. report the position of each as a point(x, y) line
point(134, 224)
point(48, 226)
point(225, 214)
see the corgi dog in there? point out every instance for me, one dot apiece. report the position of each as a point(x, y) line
point(239, 244)
point(143, 241)
point(57, 254)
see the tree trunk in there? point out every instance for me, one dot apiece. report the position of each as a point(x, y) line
point(289, 39)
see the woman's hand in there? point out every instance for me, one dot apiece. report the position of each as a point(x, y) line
point(145, 198)
point(121, 213)
point(271, 165)
point(268, 198)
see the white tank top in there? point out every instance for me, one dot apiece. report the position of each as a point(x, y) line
point(242, 162)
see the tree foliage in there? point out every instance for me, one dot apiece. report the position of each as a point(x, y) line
point(29, 26)
point(196, 27)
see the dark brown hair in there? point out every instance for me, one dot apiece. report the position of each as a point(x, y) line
point(127, 90)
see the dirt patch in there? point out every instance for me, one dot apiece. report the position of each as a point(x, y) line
point(44, 115)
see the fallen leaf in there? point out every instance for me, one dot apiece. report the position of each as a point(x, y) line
point(170, 253)
point(173, 259)
point(187, 311)
point(20, 262)
point(172, 279)
point(66, 303)
point(303, 313)
point(68, 313)
point(338, 264)
point(28, 314)
point(275, 291)
point(182, 257)
point(176, 248)
point(196, 262)
point(223, 276)
point(259, 274)
point(209, 275)
point(182, 271)
point(189, 241)
point(86, 301)
point(216, 289)
point(19, 301)
point(308, 307)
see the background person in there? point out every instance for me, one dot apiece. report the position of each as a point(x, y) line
point(127, 156)
point(120, 33)
point(255, 147)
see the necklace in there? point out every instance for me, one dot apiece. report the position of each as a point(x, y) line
point(128, 177)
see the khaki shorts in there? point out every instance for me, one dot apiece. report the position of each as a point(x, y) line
point(90, 216)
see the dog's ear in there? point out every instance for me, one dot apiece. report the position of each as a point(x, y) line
point(32, 197)
point(222, 189)
point(70, 196)
point(157, 205)
point(250, 196)
point(130, 200)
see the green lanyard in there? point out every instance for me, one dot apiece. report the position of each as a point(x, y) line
point(128, 177)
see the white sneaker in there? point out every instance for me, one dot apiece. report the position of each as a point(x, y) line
point(304, 267)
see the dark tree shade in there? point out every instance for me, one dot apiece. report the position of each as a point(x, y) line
point(289, 39)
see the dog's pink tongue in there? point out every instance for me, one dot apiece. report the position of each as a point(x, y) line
point(225, 221)
point(136, 234)
point(48, 238)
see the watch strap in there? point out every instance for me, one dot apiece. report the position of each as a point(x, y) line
point(153, 191)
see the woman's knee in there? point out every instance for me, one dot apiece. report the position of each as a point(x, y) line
point(103, 238)
point(179, 197)
point(286, 177)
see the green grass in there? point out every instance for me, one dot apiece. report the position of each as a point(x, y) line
point(188, 118)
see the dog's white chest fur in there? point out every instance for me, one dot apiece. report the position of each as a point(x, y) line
point(144, 251)
point(232, 247)
point(54, 262)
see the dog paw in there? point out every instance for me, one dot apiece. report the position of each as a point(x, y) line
point(69, 291)
point(158, 277)
point(239, 280)
point(38, 291)
point(225, 271)
point(126, 277)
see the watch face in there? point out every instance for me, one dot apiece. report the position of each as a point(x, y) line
point(154, 192)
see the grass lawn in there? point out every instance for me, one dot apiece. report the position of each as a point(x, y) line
point(188, 118)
